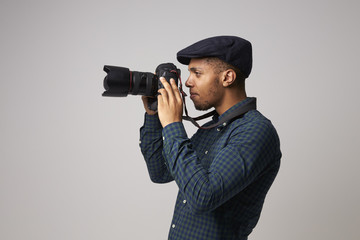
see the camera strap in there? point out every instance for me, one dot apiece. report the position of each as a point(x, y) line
point(251, 105)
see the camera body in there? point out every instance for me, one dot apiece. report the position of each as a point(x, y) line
point(120, 81)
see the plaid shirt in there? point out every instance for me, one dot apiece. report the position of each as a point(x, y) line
point(223, 174)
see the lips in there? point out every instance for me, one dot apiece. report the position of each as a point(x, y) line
point(192, 95)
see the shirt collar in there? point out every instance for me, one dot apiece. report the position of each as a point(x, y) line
point(216, 116)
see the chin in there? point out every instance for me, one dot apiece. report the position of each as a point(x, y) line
point(202, 107)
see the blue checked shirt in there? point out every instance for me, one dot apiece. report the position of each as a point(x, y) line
point(223, 174)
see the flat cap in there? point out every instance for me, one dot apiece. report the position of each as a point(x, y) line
point(233, 50)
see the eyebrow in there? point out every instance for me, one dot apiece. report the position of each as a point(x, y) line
point(194, 69)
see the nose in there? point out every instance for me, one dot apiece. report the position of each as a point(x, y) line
point(189, 82)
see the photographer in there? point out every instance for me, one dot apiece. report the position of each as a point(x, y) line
point(223, 173)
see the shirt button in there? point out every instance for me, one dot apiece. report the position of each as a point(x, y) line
point(163, 138)
point(218, 129)
point(173, 226)
point(206, 152)
point(184, 201)
point(224, 124)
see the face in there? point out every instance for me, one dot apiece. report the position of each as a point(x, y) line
point(204, 85)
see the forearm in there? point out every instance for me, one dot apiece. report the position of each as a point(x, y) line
point(151, 144)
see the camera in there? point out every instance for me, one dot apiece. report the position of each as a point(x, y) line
point(120, 81)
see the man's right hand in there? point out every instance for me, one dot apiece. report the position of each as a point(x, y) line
point(146, 105)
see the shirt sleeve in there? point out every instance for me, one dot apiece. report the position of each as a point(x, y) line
point(237, 165)
point(151, 144)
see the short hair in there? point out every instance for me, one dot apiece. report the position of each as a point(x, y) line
point(220, 66)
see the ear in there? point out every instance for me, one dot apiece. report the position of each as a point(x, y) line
point(228, 77)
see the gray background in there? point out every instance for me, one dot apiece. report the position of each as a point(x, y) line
point(70, 165)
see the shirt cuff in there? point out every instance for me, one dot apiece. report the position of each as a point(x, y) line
point(152, 122)
point(174, 131)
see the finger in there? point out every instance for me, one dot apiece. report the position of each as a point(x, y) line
point(159, 99)
point(168, 88)
point(163, 95)
point(175, 90)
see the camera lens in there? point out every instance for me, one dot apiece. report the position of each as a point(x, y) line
point(120, 82)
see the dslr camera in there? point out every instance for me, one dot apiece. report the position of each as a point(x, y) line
point(120, 81)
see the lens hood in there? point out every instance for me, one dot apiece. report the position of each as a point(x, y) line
point(117, 82)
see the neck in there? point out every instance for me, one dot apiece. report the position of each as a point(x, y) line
point(229, 100)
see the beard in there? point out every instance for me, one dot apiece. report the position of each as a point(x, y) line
point(203, 106)
point(211, 101)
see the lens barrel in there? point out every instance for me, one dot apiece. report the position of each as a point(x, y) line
point(143, 83)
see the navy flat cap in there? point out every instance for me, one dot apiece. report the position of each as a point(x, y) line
point(231, 49)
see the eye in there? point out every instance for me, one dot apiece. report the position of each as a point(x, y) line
point(198, 74)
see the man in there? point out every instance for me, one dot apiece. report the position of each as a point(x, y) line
point(223, 173)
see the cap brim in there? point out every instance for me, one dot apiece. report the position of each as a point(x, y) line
point(184, 60)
